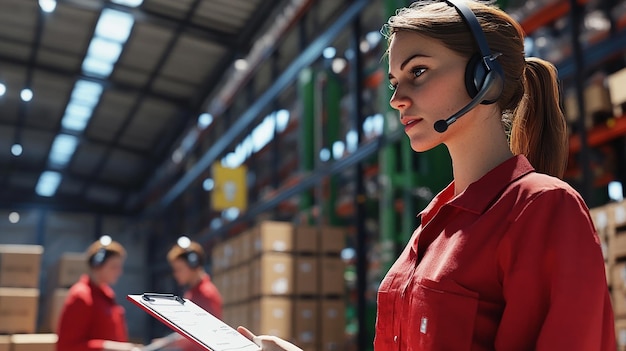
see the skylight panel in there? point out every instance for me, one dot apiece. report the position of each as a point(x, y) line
point(63, 148)
point(114, 25)
point(87, 93)
point(48, 183)
point(129, 3)
point(98, 68)
point(104, 50)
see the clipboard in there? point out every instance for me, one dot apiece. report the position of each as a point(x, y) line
point(193, 322)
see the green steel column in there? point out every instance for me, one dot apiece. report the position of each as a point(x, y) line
point(332, 104)
point(306, 87)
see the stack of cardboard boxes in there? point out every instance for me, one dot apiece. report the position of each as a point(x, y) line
point(285, 280)
point(19, 299)
point(610, 223)
point(60, 277)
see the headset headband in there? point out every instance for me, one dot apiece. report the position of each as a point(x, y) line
point(470, 19)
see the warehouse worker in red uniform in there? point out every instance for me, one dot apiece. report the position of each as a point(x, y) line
point(91, 320)
point(506, 257)
point(187, 260)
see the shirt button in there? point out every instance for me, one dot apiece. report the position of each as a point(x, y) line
point(395, 339)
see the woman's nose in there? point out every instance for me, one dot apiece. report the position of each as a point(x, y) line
point(399, 101)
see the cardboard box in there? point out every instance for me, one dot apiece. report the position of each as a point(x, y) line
point(246, 246)
point(67, 270)
point(34, 342)
point(617, 249)
point(18, 310)
point(20, 265)
point(272, 274)
point(5, 343)
point(616, 83)
point(333, 324)
point(332, 240)
point(597, 104)
point(306, 239)
point(618, 276)
point(53, 307)
point(272, 316)
point(306, 276)
point(271, 236)
point(332, 270)
point(306, 321)
point(618, 299)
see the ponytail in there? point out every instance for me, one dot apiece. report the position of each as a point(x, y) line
point(539, 130)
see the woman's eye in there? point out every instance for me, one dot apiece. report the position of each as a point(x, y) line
point(416, 72)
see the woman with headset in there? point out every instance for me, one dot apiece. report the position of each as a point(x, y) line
point(506, 256)
point(91, 319)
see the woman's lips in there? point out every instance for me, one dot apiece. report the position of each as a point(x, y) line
point(411, 123)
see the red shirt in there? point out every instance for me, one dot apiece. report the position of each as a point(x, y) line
point(90, 315)
point(512, 263)
point(205, 295)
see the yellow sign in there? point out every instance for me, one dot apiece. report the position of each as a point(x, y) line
point(230, 187)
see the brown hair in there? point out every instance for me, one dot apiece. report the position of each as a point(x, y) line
point(177, 252)
point(111, 250)
point(530, 99)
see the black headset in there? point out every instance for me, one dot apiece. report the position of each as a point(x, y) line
point(484, 77)
point(191, 257)
point(97, 259)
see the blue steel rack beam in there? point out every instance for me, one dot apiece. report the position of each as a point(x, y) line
point(287, 77)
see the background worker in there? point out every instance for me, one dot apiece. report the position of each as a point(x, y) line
point(91, 319)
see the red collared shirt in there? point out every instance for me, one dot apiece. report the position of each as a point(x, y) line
point(90, 315)
point(512, 263)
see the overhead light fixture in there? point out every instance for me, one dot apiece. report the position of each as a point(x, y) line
point(14, 217)
point(48, 6)
point(329, 52)
point(26, 95)
point(16, 150)
point(3, 89)
point(205, 120)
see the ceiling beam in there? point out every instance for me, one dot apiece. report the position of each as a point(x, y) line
point(106, 83)
point(142, 15)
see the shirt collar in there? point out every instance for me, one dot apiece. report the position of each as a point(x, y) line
point(478, 195)
point(102, 289)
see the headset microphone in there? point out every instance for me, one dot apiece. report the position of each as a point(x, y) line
point(443, 124)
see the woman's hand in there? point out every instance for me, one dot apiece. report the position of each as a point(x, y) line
point(267, 342)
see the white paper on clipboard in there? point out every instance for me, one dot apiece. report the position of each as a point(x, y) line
point(183, 315)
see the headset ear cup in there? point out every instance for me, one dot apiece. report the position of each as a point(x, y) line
point(192, 259)
point(476, 74)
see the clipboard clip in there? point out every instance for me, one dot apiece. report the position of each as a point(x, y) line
point(151, 297)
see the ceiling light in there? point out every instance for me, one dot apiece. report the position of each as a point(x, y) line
point(48, 5)
point(14, 217)
point(208, 184)
point(26, 95)
point(205, 120)
point(16, 150)
point(329, 52)
point(3, 89)
point(241, 64)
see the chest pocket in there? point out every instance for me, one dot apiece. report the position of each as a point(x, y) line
point(442, 317)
